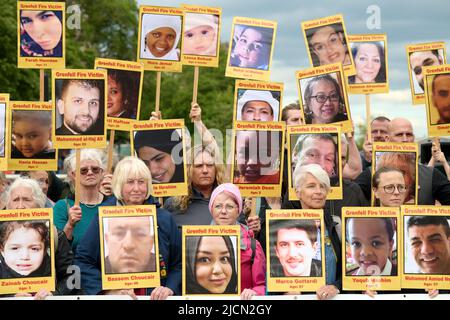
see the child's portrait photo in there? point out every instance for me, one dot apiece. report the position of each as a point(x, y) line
point(200, 34)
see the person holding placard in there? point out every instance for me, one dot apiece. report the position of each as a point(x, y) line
point(200, 35)
point(160, 37)
point(225, 206)
point(40, 33)
point(369, 63)
point(132, 186)
point(323, 101)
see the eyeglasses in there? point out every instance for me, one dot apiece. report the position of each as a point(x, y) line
point(321, 98)
point(95, 170)
point(390, 188)
point(228, 207)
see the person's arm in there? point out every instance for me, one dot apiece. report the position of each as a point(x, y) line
point(439, 157)
point(206, 136)
point(87, 257)
point(353, 167)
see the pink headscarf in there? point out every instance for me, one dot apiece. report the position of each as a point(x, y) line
point(230, 189)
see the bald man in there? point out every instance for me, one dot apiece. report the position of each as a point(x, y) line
point(433, 184)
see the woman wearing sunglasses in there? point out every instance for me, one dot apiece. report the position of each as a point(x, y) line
point(74, 220)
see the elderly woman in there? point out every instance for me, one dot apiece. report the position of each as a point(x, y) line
point(26, 193)
point(312, 185)
point(132, 185)
point(74, 220)
point(225, 206)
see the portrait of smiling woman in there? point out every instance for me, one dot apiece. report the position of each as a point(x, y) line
point(370, 63)
point(41, 33)
point(210, 265)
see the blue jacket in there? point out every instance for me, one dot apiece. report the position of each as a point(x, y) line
point(169, 239)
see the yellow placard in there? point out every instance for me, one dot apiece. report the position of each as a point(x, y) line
point(370, 249)
point(79, 98)
point(402, 156)
point(337, 111)
point(295, 271)
point(321, 36)
point(41, 35)
point(322, 142)
point(31, 232)
point(152, 53)
point(250, 57)
point(201, 36)
point(370, 54)
point(201, 247)
point(257, 100)
point(4, 133)
point(153, 140)
point(125, 79)
point(131, 227)
point(418, 57)
point(32, 142)
point(257, 163)
point(424, 230)
point(437, 90)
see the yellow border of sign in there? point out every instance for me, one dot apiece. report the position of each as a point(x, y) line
point(321, 22)
point(31, 163)
point(132, 279)
point(260, 189)
point(289, 284)
point(335, 192)
point(79, 141)
point(200, 60)
point(374, 283)
point(155, 64)
point(114, 123)
point(164, 189)
point(31, 284)
point(251, 73)
point(422, 280)
point(435, 129)
point(346, 125)
point(369, 88)
point(396, 147)
point(42, 62)
point(419, 98)
point(257, 85)
point(213, 230)
point(4, 99)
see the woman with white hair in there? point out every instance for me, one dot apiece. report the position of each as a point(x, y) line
point(132, 186)
point(312, 185)
point(73, 219)
point(25, 193)
point(160, 37)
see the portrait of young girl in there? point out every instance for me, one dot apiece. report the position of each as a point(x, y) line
point(211, 265)
point(24, 249)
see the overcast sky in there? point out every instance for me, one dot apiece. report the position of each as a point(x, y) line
point(404, 22)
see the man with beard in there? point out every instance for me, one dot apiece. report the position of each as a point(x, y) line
point(82, 106)
point(421, 59)
point(441, 97)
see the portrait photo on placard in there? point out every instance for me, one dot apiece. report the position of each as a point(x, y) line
point(295, 249)
point(41, 33)
point(251, 47)
point(257, 105)
point(394, 178)
point(370, 62)
point(327, 44)
point(426, 244)
point(201, 34)
point(439, 99)
point(257, 157)
point(371, 246)
point(321, 149)
point(2, 129)
point(160, 37)
point(129, 244)
point(162, 152)
point(31, 134)
point(211, 264)
point(80, 106)
point(25, 249)
point(420, 59)
point(323, 99)
point(123, 93)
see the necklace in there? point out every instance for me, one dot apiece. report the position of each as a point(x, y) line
point(92, 205)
